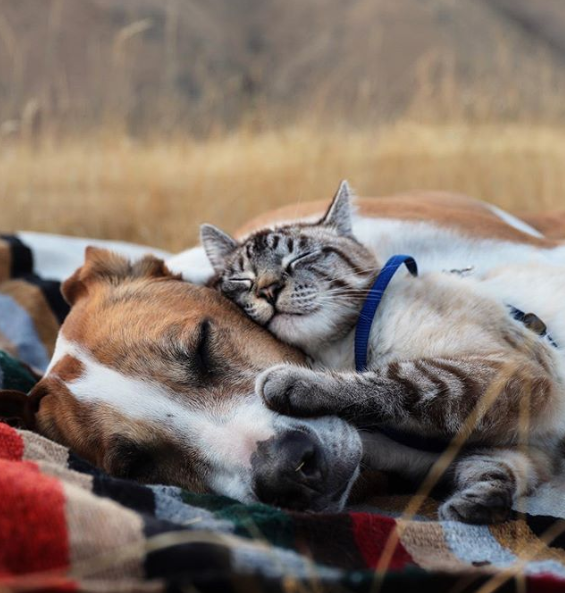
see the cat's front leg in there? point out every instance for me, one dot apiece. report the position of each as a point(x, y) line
point(298, 391)
point(435, 395)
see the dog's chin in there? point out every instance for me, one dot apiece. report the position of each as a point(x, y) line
point(339, 499)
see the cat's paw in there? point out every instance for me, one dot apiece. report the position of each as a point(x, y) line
point(479, 504)
point(288, 389)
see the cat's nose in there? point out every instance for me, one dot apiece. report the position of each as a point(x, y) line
point(270, 292)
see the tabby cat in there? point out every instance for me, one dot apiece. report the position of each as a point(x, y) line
point(445, 354)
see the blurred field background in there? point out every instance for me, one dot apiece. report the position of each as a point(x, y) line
point(139, 119)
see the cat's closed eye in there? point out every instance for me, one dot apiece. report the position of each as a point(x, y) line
point(239, 284)
point(304, 258)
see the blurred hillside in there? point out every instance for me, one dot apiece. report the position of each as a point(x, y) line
point(140, 119)
point(196, 66)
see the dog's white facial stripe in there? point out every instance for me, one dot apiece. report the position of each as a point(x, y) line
point(225, 434)
point(135, 398)
point(62, 348)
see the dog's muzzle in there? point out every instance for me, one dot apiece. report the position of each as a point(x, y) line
point(290, 471)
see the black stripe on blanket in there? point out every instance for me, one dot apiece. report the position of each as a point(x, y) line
point(22, 256)
point(197, 566)
point(51, 290)
point(542, 524)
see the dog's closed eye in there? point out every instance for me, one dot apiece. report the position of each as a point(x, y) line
point(193, 356)
point(201, 357)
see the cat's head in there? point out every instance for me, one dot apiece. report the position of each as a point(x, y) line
point(303, 281)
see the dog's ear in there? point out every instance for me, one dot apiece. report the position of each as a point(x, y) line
point(338, 215)
point(18, 409)
point(102, 265)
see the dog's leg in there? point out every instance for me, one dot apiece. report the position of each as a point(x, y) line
point(384, 454)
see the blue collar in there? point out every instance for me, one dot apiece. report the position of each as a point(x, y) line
point(371, 304)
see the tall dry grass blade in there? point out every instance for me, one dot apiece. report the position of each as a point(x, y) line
point(129, 31)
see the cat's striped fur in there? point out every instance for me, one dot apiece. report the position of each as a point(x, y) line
point(445, 354)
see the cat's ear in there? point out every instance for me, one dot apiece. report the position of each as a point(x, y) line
point(338, 215)
point(217, 244)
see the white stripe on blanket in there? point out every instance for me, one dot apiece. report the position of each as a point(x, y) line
point(56, 257)
point(548, 499)
point(475, 543)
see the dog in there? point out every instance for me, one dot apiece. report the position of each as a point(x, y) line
point(153, 377)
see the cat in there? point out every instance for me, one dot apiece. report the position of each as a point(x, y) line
point(440, 346)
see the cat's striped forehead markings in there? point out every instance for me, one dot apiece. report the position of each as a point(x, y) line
point(280, 240)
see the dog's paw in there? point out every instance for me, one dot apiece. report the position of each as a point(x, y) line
point(479, 504)
point(287, 389)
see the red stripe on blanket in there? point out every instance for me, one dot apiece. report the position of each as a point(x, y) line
point(545, 584)
point(32, 514)
point(372, 533)
point(11, 444)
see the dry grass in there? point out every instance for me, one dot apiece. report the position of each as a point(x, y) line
point(157, 193)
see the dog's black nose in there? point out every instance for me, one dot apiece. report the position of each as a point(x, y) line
point(290, 470)
point(270, 292)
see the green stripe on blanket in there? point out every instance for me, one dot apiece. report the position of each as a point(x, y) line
point(14, 375)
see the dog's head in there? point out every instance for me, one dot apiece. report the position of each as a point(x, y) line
point(153, 379)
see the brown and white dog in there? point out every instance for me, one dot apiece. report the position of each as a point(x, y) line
point(153, 377)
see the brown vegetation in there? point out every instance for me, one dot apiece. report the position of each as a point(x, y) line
point(158, 193)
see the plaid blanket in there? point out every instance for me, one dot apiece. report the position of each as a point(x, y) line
point(65, 525)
